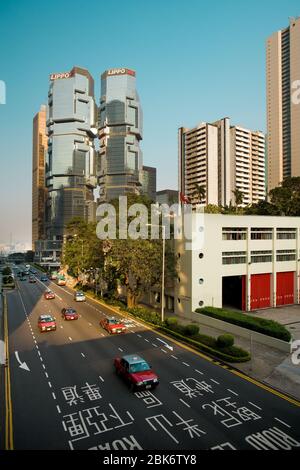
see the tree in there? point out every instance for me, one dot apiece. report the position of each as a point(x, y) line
point(213, 209)
point(199, 193)
point(262, 208)
point(238, 197)
point(286, 197)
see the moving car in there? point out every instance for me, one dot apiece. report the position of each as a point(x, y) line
point(53, 276)
point(69, 314)
point(112, 325)
point(32, 280)
point(49, 295)
point(136, 372)
point(46, 323)
point(79, 297)
point(44, 278)
point(61, 281)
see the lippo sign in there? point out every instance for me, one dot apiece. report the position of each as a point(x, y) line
point(56, 76)
point(120, 72)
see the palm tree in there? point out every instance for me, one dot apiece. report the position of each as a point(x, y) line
point(239, 198)
point(200, 192)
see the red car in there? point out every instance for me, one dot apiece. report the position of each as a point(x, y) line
point(112, 325)
point(46, 323)
point(136, 371)
point(69, 314)
point(49, 295)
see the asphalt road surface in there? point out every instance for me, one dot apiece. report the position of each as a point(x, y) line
point(71, 398)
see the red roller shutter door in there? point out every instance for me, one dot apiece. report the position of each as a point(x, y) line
point(260, 291)
point(285, 294)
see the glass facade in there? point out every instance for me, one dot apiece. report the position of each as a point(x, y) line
point(120, 133)
point(71, 157)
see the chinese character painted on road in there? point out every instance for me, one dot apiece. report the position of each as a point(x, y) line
point(192, 388)
point(193, 430)
point(237, 416)
point(92, 392)
point(162, 422)
point(71, 395)
point(149, 399)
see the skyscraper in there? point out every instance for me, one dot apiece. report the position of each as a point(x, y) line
point(39, 150)
point(71, 158)
point(120, 133)
point(221, 158)
point(283, 115)
point(148, 182)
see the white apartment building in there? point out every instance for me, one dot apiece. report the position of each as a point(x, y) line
point(246, 262)
point(222, 158)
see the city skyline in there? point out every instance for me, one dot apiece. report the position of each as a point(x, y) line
point(239, 94)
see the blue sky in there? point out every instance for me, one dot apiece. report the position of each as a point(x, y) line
point(195, 61)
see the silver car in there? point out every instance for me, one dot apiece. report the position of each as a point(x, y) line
point(79, 297)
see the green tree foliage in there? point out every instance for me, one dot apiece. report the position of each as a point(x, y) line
point(286, 197)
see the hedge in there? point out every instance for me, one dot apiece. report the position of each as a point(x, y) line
point(201, 342)
point(260, 325)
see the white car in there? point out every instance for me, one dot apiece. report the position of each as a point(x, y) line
point(79, 297)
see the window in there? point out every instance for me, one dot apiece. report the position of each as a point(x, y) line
point(234, 257)
point(261, 234)
point(261, 256)
point(234, 233)
point(286, 233)
point(286, 255)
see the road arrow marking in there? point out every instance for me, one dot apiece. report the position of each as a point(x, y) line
point(166, 344)
point(22, 365)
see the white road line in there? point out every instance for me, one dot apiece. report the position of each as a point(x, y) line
point(282, 422)
point(44, 367)
point(233, 393)
point(82, 355)
point(164, 351)
point(253, 404)
point(147, 340)
point(218, 383)
point(71, 445)
point(64, 425)
point(50, 384)
point(185, 364)
point(186, 404)
point(199, 372)
point(130, 416)
point(174, 357)
point(121, 350)
point(46, 375)
point(70, 338)
point(101, 378)
point(139, 336)
point(155, 345)
point(58, 409)
point(41, 359)
point(39, 353)
point(37, 346)
point(54, 396)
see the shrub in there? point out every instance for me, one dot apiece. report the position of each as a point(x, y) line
point(6, 271)
point(225, 341)
point(191, 330)
point(261, 325)
point(171, 322)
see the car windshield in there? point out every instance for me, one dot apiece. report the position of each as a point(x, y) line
point(79, 294)
point(139, 367)
point(70, 311)
point(112, 321)
point(46, 319)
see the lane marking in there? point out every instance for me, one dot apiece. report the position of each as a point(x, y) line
point(147, 340)
point(213, 380)
point(46, 375)
point(101, 378)
point(70, 338)
point(282, 422)
point(50, 384)
point(155, 345)
point(199, 372)
point(256, 406)
point(82, 355)
point(233, 393)
point(164, 351)
point(186, 404)
point(121, 350)
point(174, 357)
point(185, 364)
point(130, 416)
point(54, 396)
point(58, 409)
point(139, 336)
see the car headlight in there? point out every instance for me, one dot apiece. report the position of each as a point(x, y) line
point(139, 383)
point(155, 380)
point(113, 330)
point(43, 327)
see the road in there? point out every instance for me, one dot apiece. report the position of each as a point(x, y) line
point(66, 395)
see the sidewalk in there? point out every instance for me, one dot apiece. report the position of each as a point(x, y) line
point(268, 364)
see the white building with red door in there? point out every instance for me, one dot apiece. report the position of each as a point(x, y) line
point(245, 262)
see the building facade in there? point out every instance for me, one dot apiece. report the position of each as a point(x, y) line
point(39, 150)
point(244, 262)
point(71, 158)
point(120, 133)
point(222, 158)
point(283, 115)
point(167, 196)
point(147, 178)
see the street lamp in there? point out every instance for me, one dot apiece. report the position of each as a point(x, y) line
point(163, 268)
